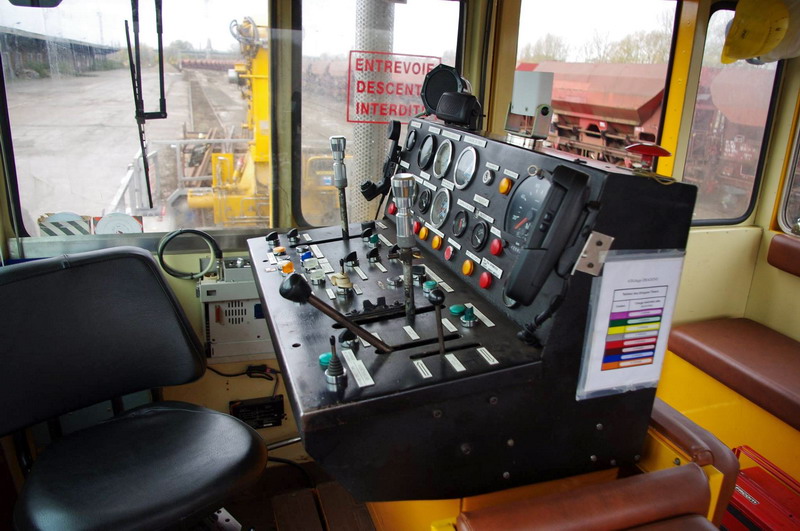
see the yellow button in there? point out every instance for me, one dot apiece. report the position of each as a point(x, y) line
point(505, 186)
point(287, 267)
point(423, 233)
point(468, 267)
point(436, 243)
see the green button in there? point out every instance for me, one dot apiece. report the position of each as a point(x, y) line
point(325, 359)
point(429, 285)
point(469, 315)
point(374, 238)
point(457, 309)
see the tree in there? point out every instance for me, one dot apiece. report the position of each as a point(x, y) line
point(173, 51)
point(548, 48)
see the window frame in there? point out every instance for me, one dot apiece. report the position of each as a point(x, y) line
point(762, 156)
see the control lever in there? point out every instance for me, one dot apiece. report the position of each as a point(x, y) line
point(403, 187)
point(436, 297)
point(338, 144)
point(335, 374)
point(296, 289)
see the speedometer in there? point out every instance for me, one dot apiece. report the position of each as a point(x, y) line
point(525, 206)
point(440, 207)
point(465, 167)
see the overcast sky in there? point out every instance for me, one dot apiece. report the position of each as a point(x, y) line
point(329, 25)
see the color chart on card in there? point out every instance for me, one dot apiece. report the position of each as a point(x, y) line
point(634, 326)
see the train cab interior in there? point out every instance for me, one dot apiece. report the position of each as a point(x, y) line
point(400, 264)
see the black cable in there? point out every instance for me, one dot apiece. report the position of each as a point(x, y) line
point(275, 387)
point(311, 483)
point(215, 371)
point(213, 248)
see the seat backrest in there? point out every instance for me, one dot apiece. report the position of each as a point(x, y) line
point(83, 328)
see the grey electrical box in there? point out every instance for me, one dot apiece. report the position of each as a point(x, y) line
point(530, 111)
point(233, 319)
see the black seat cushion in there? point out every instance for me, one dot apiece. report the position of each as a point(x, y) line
point(146, 469)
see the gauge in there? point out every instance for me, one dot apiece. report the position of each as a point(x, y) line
point(525, 206)
point(465, 167)
point(443, 158)
point(460, 223)
point(424, 201)
point(440, 207)
point(411, 140)
point(488, 177)
point(426, 151)
point(480, 233)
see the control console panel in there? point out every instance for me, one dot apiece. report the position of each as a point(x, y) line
point(483, 397)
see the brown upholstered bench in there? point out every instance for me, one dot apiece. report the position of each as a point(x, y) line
point(755, 361)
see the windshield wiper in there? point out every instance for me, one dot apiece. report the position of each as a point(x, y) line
point(134, 58)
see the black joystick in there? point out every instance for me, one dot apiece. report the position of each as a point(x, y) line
point(296, 289)
point(436, 297)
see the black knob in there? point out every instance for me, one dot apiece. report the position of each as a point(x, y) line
point(292, 234)
point(351, 259)
point(367, 225)
point(366, 233)
point(436, 297)
point(395, 249)
point(295, 288)
point(374, 255)
point(272, 236)
point(369, 190)
point(346, 335)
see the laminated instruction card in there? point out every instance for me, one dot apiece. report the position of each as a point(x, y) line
point(632, 304)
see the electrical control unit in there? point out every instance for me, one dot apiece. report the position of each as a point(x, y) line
point(484, 397)
point(233, 315)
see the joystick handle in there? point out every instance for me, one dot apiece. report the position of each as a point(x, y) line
point(296, 289)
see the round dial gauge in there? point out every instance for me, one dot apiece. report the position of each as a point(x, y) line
point(488, 177)
point(440, 207)
point(465, 167)
point(424, 202)
point(480, 234)
point(460, 223)
point(525, 206)
point(443, 158)
point(425, 154)
point(411, 140)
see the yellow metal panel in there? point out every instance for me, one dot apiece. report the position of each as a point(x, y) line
point(717, 273)
point(676, 98)
point(732, 418)
point(412, 515)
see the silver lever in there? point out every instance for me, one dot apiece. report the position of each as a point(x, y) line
point(403, 188)
point(338, 144)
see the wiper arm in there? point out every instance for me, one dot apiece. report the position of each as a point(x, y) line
point(134, 58)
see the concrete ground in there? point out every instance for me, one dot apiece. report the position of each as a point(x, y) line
point(74, 137)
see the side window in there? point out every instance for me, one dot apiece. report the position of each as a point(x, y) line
point(357, 75)
point(789, 218)
point(609, 70)
point(78, 161)
point(730, 117)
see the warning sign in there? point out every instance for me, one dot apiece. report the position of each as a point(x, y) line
point(385, 86)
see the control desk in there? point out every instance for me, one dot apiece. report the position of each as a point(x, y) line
point(498, 229)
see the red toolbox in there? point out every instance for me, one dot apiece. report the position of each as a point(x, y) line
point(765, 496)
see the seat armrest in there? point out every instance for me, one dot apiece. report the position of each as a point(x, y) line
point(701, 446)
point(620, 504)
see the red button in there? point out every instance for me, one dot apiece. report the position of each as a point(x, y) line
point(417, 226)
point(392, 209)
point(496, 247)
point(485, 281)
point(449, 252)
